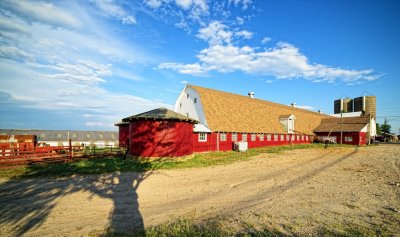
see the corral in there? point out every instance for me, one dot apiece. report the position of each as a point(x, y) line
point(300, 192)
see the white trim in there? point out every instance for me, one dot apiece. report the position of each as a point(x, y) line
point(236, 137)
point(244, 135)
point(253, 137)
point(199, 137)
point(201, 128)
point(223, 137)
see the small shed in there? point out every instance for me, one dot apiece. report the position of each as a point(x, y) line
point(123, 133)
point(352, 130)
point(160, 133)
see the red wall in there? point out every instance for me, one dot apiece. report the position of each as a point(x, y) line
point(160, 138)
point(211, 143)
point(359, 138)
point(123, 134)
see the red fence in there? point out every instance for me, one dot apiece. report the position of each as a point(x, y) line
point(21, 154)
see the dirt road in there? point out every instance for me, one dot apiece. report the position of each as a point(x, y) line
point(294, 192)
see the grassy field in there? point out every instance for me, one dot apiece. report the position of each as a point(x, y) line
point(218, 228)
point(107, 165)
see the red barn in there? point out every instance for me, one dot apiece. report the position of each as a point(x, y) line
point(210, 120)
point(354, 130)
point(160, 133)
point(123, 133)
point(225, 118)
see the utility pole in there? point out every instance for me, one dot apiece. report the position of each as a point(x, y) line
point(341, 126)
point(369, 131)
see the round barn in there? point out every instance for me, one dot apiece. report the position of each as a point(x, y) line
point(160, 133)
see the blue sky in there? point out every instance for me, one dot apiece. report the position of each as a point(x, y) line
point(86, 64)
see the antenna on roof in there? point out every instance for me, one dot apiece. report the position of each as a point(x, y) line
point(293, 104)
point(251, 94)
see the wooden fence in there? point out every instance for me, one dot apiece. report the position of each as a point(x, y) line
point(16, 155)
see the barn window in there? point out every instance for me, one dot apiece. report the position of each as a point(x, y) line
point(195, 100)
point(348, 139)
point(306, 138)
point(287, 137)
point(276, 137)
point(234, 137)
point(202, 137)
point(187, 114)
point(268, 137)
point(180, 105)
point(282, 137)
point(244, 137)
point(253, 137)
point(222, 137)
point(187, 96)
point(261, 137)
point(298, 138)
point(302, 137)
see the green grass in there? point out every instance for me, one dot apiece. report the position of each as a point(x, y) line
point(107, 165)
point(217, 228)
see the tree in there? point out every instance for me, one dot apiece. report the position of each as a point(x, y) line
point(378, 129)
point(385, 127)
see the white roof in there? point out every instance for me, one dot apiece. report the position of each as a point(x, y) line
point(201, 128)
point(347, 115)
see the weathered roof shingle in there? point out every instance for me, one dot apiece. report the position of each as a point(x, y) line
point(160, 114)
point(352, 124)
point(227, 112)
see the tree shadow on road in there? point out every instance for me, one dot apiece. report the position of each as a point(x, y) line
point(26, 203)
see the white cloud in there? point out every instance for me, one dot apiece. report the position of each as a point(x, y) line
point(184, 26)
point(184, 82)
point(52, 64)
point(192, 69)
point(245, 3)
point(239, 20)
point(154, 3)
point(215, 34)
point(185, 4)
point(196, 8)
point(43, 12)
point(84, 72)
point(269, 81)
point(284, 61)
point(265, 40)
point(94, 124)
point(245, 34)
point(109, 7)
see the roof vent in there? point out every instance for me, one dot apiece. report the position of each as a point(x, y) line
point(251, 94)
point(320, 111)
point(293, 105)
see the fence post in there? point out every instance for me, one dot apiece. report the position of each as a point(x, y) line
point(70, 149)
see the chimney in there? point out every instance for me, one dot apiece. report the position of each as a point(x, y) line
point(320, 111)
point(293, 105)
point(251, 94)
